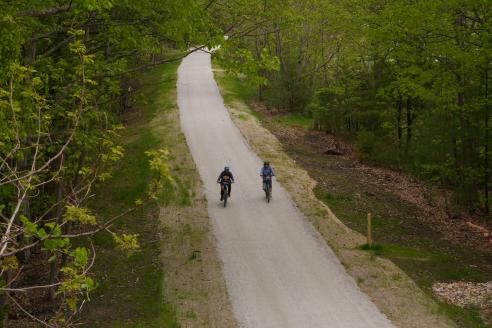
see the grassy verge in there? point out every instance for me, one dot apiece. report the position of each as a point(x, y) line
point(175, 279)
point(239, 90)
point(130, 291)
point(296, 120)
point(421, 253)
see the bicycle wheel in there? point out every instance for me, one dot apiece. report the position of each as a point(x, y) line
point(266, 188)
point(226, 194)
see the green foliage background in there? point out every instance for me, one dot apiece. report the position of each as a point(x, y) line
point(407, 81)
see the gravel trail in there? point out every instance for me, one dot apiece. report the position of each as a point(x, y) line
point(278, 271)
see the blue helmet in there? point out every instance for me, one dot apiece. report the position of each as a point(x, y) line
point(226, 168)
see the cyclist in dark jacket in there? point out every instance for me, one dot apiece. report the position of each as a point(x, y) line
point(226, 175)
point(267, 173)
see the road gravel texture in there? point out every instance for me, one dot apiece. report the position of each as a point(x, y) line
point(278, 270)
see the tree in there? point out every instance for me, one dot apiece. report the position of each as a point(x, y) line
point(63, 76)
point(409, 78)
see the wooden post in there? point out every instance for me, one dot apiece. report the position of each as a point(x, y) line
point(369, 229)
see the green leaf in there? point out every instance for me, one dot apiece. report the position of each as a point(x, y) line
point(80, 257)
point(30, 227)
point(77, 214)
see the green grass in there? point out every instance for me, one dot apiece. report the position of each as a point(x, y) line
point(398, 251)
point(235, 89)
point(469, 317)
point(243, 117)
point(130, 289)
point(424, 256)
point(296, 120)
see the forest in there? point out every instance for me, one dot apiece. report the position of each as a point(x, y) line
point(407, 82)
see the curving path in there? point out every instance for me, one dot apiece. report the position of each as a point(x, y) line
point(278, 271)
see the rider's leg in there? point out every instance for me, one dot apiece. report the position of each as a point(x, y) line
point(229, 187)
point(221, 192)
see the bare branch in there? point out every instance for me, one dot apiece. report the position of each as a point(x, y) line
point(59, 45)
point(209, 4)
point(49, 11)
point(25, 289)
point(146, 66)
point(5, 238)
point(29, 314)
point(105, 226)
point(53, 158)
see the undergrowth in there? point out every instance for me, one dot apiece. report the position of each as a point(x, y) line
point(130, 290)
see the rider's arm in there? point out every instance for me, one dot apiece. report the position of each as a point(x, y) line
point(232, 177)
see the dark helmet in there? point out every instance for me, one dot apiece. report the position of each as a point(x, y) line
point(226, 168)
point(266, 163)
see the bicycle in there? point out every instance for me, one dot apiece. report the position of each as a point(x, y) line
point(225, 187)
point(267, 187)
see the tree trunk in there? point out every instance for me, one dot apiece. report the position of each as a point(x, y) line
point(278, 48)
point(261, 87)
point(52, 277)
point(4, 302)
point(21, 238)
point(26, 211)
point(399, 129)
point(54, 268)
point(30, 50)
point(325, 70)
point(260, 73)
point(486, 145)
point(409, 123)
point(468, 184)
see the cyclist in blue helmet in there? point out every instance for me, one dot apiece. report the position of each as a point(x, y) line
point(267, 173)
point(225, 176)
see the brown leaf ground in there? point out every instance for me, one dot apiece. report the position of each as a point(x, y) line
point(467, 294)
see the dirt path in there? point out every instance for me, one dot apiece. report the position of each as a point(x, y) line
point(278, 270)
